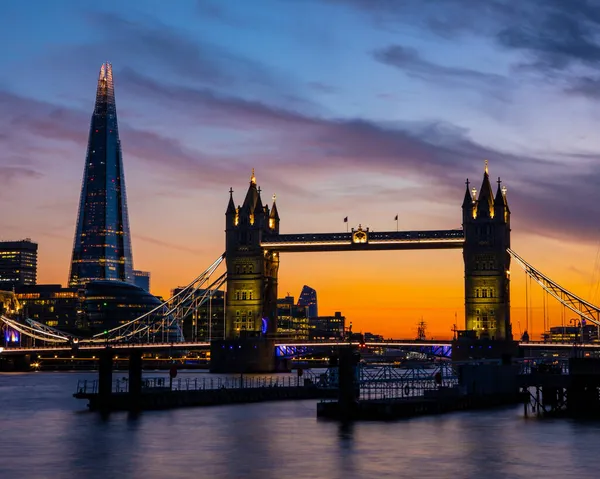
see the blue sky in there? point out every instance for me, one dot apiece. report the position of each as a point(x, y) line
point(360, 108)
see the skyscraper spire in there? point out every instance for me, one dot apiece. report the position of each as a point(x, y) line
point(102, 245)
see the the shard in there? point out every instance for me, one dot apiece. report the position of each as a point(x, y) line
point(102, 246)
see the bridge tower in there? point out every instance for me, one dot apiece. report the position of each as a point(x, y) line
point(486, 224)
point(251, 306)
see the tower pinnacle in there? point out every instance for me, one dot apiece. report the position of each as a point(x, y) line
point(253, 178)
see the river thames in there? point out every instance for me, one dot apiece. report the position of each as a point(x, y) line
point(48, 434)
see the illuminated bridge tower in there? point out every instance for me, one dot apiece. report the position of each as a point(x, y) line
point(251, 304)
point(486, 224)
point(102, 246)
point(251, 271)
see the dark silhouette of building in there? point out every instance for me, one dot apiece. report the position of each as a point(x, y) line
point(251, 271)
point(308, 299)
point(18, 264)
point(486, 223)
point(107, 304)
point(102, 246)
point(327, 327)
point(52, 305)
point(292, 321)
point(141, 279)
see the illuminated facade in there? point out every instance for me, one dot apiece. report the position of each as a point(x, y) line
point(52, 305)
point(18, 264)
point(292, 321)
point(486, 224)
point(308, 299)
point(327, 327)
point(251, 305)
point(102, 246)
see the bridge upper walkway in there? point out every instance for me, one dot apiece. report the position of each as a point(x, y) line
point(385, 240)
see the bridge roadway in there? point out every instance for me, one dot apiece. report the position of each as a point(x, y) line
point(364, 240)
point(206, 345)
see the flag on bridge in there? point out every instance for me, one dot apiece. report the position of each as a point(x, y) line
point(346, 219)
point(396, 218)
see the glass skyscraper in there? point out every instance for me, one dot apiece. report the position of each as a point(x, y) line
point(102, 246)
point(308, 300)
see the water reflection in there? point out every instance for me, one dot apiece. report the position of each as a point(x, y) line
point(46, 434)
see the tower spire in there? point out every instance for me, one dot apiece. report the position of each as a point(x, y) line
point(485, 201)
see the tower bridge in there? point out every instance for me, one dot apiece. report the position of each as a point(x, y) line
point(253, 245)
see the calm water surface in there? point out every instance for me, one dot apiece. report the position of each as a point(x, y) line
point(45, 433)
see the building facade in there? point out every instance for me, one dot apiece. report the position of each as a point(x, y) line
point(107, 304)
point(251, 304)
point(292, 319)
point(18, 264)
point(141, 279)
point(327, 327)
point(572, 334)
point(52, 305)
point(102, 245)
point(486, 223)
point(308, 299)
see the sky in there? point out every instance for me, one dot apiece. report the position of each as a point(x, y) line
point(360, 108)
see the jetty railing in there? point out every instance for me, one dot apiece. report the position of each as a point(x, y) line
point(411, 381)
point(206, 383)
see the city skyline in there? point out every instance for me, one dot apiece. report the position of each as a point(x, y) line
point(330, 140)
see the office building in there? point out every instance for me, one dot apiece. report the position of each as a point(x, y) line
point(52, 305)
point(572, 334)
point(308, 299)
point(141, 279)
point(292, 321)
point(102, 246)
point(18, 264)
point(327, 327)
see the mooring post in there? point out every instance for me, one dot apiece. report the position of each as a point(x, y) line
point(347, 383)
point(105, 364)
point(135, 376)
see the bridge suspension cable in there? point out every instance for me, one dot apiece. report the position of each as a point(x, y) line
point(166, 317)
point(35, 332)
point(579, 306)
point(163, 316)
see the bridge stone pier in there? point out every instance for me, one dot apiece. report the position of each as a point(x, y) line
point(253, 245)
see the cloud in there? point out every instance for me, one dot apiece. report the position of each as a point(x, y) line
point(288, 145)
point(410, 61)
point(435, 153)
point(585, 86)
point(150, 45)
point(10, 174)
point(42, 123)
point(552, 35)
point(322, 87)
point(166, 244)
